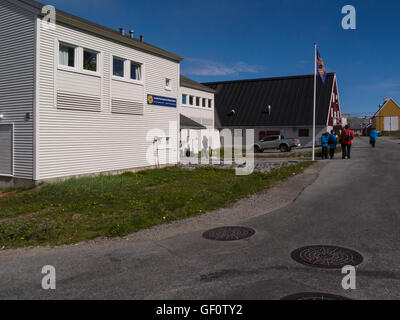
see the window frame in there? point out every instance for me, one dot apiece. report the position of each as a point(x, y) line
point(168, 86)
point(64, 67)
point(137, 64)
point(98, 61)
point(186, 99)
point(123, 65)
point(78, 60)
point(127, 70)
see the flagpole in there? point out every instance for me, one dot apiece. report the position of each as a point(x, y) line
point(315, 101)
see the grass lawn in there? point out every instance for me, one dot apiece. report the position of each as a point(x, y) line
point(109, 206)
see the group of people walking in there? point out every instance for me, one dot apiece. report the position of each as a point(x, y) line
point(330, 141)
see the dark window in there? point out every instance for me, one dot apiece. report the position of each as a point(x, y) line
point(118, 67)
point(89, 60)
point(191, 100)
point(273, 133)
point(67, 55)
point(135, 71)
point(210, 103)
point(304, 132)
point(204, 102)
point(197, 102)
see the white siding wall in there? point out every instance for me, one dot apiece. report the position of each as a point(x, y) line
point(17, 60)
point(74, 142)
point(204, 116)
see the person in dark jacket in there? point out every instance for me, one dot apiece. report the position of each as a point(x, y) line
point(324, 143)
point(373, 137)
point(332, 142)
point(346, 139)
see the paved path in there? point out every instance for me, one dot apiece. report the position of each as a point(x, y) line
point(353, 203)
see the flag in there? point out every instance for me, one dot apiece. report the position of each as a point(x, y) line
point(321, 67)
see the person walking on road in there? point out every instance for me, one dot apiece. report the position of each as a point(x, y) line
point(332, 142)
point(373, 136)
point(346, 139)
point(324, 142)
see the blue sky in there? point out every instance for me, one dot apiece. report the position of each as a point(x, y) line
point(235, 39)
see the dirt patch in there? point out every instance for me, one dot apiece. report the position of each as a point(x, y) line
point(3, 195)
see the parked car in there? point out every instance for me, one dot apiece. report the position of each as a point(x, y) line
point(276, 142)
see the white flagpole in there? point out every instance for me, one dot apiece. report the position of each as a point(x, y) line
point(315, 101)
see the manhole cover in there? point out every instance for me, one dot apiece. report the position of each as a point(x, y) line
point(229, 233)
point(328, 257)
point(316, 296)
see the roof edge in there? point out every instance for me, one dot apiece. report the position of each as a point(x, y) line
point(265, 79)
point(191, 84)
point(104, 31)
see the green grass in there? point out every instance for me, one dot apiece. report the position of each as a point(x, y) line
point(109, 206)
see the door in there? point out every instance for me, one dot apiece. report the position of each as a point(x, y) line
point(395, 123)
point(391, 123)
point(6, 149)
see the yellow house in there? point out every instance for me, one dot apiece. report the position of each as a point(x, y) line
point(387, 119)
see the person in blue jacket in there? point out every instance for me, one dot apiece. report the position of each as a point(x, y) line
point(373, 137)
point(324, 143)
point(332, 142)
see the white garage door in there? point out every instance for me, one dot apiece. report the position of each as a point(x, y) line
point(391, 123)
point(6, 149)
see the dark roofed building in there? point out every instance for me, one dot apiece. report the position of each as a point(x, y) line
point(275, 106)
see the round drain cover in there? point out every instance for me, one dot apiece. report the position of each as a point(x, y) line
point(316, 296)
point(229, 233)
point(329, 257)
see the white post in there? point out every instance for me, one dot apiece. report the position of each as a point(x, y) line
point(315, 102)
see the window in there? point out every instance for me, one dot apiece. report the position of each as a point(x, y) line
point(184, 99)
point(204, 102)
point(168, 84)
point(90, 60)
point(274, 138)
point(210, 103)
point(136, 72)
point(197, 102)
point(67, 55)
point(118, 67)
point(191, 100)
point(304, 132)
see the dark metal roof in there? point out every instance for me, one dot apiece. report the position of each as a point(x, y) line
point(291, 99)
point(189, 83)
point(86, 25)
point(187, 123)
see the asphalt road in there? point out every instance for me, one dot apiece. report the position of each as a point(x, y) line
point(353, 204)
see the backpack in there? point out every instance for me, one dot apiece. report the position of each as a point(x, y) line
point(347, 136)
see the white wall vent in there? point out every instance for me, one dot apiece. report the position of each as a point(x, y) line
point(127, 107)
point(73, 101)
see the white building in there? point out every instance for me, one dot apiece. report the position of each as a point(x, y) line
point(196, 108)
point(83, 99)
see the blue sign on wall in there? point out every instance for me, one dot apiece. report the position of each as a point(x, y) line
point(161, 101)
